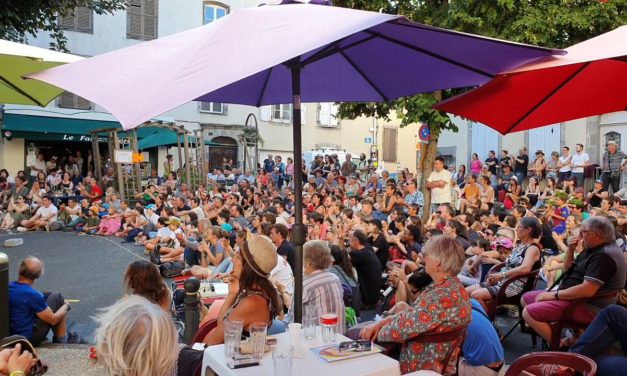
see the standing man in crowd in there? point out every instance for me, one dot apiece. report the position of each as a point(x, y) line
point(348, 167)
point(36, 166)
point(32, 313)
point(612, 166)
point(439, 182)
point(521, 165)
point(579, 162)
point(492, 162)
point(565, 162)
point(268, 164)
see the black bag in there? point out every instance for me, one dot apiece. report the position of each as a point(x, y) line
point(10, 342)
point(172, 269)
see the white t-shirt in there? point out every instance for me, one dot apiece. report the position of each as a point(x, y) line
point(441, 195)
point(200, 213)
point(562, 161)
point(154, 218)
point(282, 272)
point(580, 159)
point(46, 211)
point(36, 163)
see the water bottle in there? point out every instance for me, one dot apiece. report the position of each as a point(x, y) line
point(328, 322)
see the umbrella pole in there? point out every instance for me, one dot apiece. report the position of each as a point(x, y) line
point(298, 229)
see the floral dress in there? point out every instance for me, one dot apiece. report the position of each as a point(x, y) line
point(442, 307)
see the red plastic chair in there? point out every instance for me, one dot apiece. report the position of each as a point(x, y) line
point(456, 336)
point(581, 364)
point(204, 329)
point(503, 299)
point(568, 321)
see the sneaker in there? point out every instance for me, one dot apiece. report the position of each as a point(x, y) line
point(155, 258)
point(21, 229)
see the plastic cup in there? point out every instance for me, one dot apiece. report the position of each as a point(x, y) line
point(282, 358)
point(329, 322)
point(232, 337)
point(258, 339)
point(309, 327)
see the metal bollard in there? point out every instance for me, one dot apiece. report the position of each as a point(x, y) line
point(192, 315)
point(4, 295)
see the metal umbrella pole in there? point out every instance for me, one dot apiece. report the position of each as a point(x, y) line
point(298, 229)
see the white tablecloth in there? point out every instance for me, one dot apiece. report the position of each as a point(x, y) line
point(310, 364)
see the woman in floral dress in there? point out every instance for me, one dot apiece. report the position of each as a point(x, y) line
point(442, 307)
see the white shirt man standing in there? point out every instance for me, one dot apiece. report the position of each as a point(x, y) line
point(579, 161)
point(439, 182)
point(565, 164)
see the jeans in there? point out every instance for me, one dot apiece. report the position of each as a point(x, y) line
point(579, 177)
point(608, 326)
point(564, 175)
point(520, 178)
point(191, 256)
point(612, 179)
point(55, 301)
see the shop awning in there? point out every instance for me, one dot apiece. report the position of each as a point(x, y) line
point(164, 137)
point(47, 128)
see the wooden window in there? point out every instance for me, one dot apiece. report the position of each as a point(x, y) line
point(81, 19)
point(141, 19)
point(389, 144)
point(69, 100)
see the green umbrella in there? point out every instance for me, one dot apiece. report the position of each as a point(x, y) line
point(17, 60)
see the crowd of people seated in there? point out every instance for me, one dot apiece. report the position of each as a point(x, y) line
point(369, 256)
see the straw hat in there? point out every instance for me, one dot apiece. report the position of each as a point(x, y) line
point(260, 254)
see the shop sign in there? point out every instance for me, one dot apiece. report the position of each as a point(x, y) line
point(83, 138)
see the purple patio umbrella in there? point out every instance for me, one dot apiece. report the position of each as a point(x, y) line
point(290, 53)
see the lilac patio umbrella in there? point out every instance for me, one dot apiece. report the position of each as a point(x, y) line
point(290, 53)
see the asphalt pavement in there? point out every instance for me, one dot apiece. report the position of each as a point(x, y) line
point(90, 269)
point(84, 268)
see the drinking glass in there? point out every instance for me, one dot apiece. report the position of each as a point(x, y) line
point(232, 337)
point(309, 327)
point(329, 322)
point(257, 332)
point(282, 358)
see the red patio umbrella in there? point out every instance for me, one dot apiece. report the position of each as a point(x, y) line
point(590, 80)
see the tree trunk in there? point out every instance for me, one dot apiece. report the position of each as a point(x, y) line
point(426, 166)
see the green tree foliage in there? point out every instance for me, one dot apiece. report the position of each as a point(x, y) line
point(21, 18)
point(548, 23)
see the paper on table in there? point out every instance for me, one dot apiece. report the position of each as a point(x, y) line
point(332, 354)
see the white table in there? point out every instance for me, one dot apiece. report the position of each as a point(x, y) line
point(310, 364)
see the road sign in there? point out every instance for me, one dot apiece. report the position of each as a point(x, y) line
point(368, 140)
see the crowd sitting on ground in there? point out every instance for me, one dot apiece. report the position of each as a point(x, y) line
point(368, 254)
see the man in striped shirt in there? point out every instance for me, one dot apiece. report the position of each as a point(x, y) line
point(322, 290)
point(612, 166)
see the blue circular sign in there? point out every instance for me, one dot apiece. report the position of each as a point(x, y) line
point(424, 133)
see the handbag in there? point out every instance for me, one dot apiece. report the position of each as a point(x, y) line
point(10, 342)
point(172, 269)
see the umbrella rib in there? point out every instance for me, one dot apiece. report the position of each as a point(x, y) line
point(265, 85)
point(546, 98)
point(430, 53)
point(333, 48)
point(363, 75)
point(415, 25)
point(20, 91)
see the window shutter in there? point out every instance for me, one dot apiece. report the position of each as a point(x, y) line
point(266, 113)
point(303, 113)
point(150, 19)
point(324, 116)
point(82, 103)
point(225, 109)
point(333, 114)
point(389, 144)
point(66, 100)
point(134, 20)
point(83, 19)
point(68, 22)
